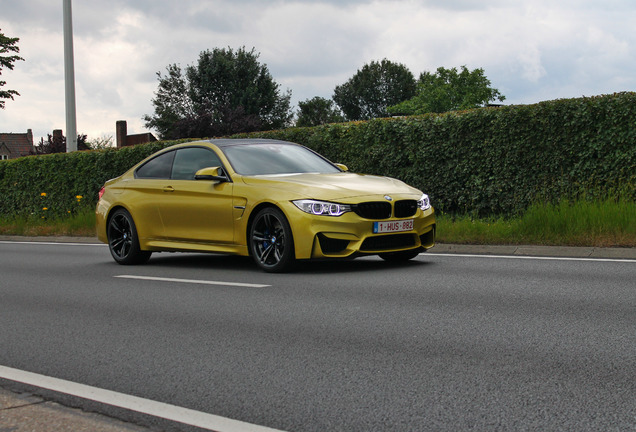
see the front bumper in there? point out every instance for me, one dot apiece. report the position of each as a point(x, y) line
point(350, 235)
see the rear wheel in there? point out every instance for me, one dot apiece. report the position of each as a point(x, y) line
point(401, 255)
point(123, 241)
point(271, 242)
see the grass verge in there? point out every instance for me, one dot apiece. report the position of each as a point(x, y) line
point(81, 224)
point(608, 223)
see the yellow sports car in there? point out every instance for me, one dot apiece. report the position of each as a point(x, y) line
point(274, 200)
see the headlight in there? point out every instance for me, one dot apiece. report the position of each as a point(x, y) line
point(322, 208)
point(424, 203)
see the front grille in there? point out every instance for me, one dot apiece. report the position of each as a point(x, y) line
point(332, 246)
point(405, 208)
point(388, 242)
point(373, 210)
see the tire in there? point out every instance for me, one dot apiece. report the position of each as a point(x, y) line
point(401, 256)
point(271, 241)
point(123, 241)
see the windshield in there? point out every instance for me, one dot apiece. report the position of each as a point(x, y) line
point(260, 159)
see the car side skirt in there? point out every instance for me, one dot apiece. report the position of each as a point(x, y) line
point(180, 246)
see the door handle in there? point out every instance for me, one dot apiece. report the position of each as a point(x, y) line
point(168, 189)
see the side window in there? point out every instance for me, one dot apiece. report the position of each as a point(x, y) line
point(189, 160)
point(157, 168)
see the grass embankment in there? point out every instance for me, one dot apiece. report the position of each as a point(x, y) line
point(609, 223)
point(81, 224)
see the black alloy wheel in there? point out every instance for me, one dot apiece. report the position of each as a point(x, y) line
point(123, 241)
point(271, 242)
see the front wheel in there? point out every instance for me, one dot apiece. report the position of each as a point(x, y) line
point(271, 241)
point(123, 241)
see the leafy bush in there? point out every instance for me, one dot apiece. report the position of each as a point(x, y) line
point(483, 162)
point(32, 183)
point(494, 161)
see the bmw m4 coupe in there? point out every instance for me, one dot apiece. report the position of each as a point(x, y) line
point(275, 201)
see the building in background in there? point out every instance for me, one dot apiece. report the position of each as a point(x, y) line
point(15, 145)
point(124, 140)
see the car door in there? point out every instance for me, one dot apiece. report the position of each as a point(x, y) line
point(198, 211)
point(145, 191)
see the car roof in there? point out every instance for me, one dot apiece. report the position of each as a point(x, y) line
point(227, 142)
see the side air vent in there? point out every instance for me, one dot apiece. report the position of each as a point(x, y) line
point(332, 246)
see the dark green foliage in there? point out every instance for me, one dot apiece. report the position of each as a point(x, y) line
point(63, 177)
point(226, 92)
point(484, 162)
point(317, 111)
point(57, 144)
point(373, 88)
point(449, 90)
point(7, 45)
point(494, 161)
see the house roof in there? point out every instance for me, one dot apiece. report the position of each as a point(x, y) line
point(16, 144)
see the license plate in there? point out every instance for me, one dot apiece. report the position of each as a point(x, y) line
point(393, 226)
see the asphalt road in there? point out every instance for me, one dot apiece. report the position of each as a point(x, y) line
point(442, 343)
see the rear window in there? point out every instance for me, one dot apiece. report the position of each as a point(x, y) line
point(157, 168)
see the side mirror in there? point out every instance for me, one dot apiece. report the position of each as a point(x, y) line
point(211, 173)
point(342, 167)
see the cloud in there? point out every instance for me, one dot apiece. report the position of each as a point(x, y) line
point(531, 50)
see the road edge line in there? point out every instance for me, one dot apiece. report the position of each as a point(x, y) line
point(132, 403)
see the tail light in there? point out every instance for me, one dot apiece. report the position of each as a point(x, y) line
point(101, 193)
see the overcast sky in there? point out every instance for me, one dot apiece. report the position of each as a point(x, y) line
point(531, 50)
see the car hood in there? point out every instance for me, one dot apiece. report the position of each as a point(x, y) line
point(337, 186)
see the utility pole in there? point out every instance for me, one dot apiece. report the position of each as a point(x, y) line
point(69, 79)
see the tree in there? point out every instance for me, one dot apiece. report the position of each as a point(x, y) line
point(8, 45)
point(449, 90)
point(56, 143)
point(103, 142)
point(317, 111)
point(226, 92)
point(373, 88)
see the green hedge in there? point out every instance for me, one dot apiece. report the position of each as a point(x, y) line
point(494, 161)
point(488, 161)
point(61, 182)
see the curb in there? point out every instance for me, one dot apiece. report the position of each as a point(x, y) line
point(542, 251)
point(26, 412)
point(49, 239)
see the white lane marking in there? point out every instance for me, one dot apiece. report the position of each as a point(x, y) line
point(52, 243)
point(528, 257)
point(618, 260)
point(132, 403)
point(193, 281)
